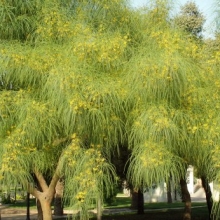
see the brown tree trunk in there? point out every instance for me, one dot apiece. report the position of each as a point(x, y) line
point(44, 205)
point(44, 195)
point(39, 210)
point(134, 199)
point(46, 208)
point(58, 205)
point(28, 207)
point(208, 194)
point(140, 202)
point(169, 195)
point(137, 200)
point(187, 199)
point(99, 209)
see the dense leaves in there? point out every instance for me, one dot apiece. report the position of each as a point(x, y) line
point(190, 19)
point(86, 79)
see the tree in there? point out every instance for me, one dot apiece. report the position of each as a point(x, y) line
point(167, 123)
point(190, 19)
point(208, 169)
point(58, 198)
point(88, 77)
point(217, 11)
point(60, 102)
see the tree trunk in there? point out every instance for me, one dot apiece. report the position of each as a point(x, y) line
point(58, 206)
point(175, 193)
point(208, 194)
point(140, 202)
point(15, 194)
point(28, 206)
point(46, 208)
point(169, 195)
point(187, 199)
point(99, 209)
point(39, 210)
point(134, 199)
point(44, 194)
point(137, 201)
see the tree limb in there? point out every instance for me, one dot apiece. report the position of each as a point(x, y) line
point(41, 180)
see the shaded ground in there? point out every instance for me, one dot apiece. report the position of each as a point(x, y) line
point(168, 215)
point(175, 214)
point(155, 211)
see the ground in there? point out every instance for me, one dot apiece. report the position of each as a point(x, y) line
point(171, 215)
point(119, 210)
point(176, 214)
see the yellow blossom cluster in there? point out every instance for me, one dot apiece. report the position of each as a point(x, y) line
point(172, 43)
point(102, 49)
point(154, 155)
point(9, 101)
point(29, 60)
point(91, 174)
point(167, 41)
point(72, 150)
point(160, 117)
point(81, 196)
point(54, 25)
point(15, 146)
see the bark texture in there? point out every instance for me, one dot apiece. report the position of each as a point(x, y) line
point(44, 194)
point(140, 202)
point(187, 199)
point(137, 200)
point(208, 194)
point(44, 206)
point(58, 205)
point(134, 199)
point(99, 209)
point(39, 210)
point(28, 206)
point(169, 195)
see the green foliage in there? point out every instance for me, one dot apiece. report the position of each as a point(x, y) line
point(60, 103)
point(18, 19)
point(190, 19)
point(217, 13)
point(85, 77)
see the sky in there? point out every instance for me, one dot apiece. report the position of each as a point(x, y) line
point(207, 7)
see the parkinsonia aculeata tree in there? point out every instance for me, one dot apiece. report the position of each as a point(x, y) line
point(79, 78)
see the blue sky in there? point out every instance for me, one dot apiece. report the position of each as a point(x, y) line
point(207, 7)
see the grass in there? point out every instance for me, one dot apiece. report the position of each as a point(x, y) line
point(23, 204)
point(125, 202)
point(153, 211)
point(119, 202)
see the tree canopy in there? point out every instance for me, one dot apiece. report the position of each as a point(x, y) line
point(190, 19)
point(80, 79)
